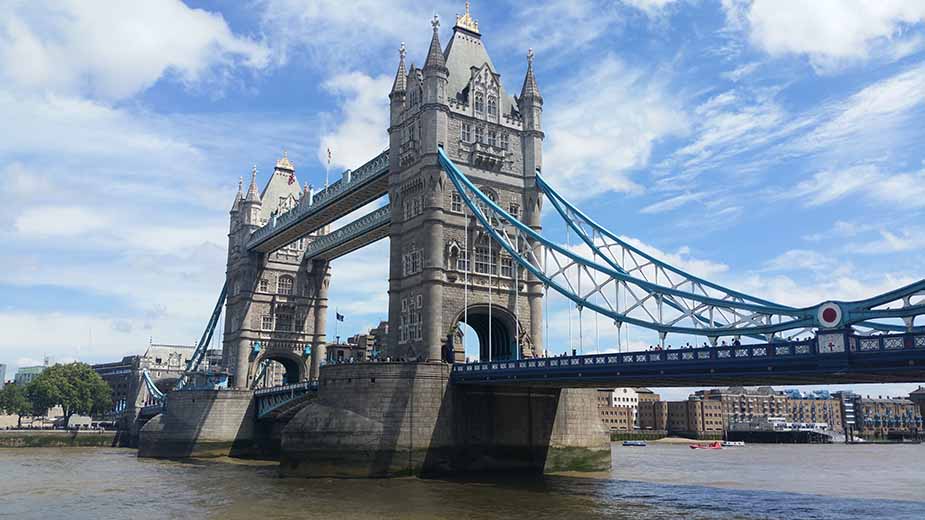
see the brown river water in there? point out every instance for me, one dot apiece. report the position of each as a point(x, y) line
point(658, 481)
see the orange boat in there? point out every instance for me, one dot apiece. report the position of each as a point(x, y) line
point(712, 446)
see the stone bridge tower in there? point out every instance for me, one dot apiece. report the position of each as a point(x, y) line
point(276, 303)
point(444, 270)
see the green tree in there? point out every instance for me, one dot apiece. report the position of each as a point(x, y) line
point(76, 387)
point(14, 401)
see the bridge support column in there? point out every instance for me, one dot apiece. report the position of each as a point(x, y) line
point(242, 364)
point(322, 276)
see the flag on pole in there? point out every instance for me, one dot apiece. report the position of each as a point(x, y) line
point(291, 178)
point(327, 169)
point(339, 316)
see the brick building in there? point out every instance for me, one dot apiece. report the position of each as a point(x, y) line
point(695, 417)
point(740, 404)
point(885, 418)
point(817, 407)
point(652, 412)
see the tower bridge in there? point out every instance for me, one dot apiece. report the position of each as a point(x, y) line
point(465, 188)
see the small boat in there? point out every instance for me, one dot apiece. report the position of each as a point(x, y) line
point(733, 444)
point(637, 444)
point(712, 446)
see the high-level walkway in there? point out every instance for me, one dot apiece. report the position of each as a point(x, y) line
point(356, 189)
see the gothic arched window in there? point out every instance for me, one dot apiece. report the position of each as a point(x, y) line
point(479, 103)
point(492, 106)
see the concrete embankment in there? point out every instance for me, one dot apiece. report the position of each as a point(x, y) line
point(56, 439)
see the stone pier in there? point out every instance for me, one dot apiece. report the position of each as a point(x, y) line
point(201, 423)
point(393, 419)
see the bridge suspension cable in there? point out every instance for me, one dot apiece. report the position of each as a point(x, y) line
point(689, 307)
point(192, 365)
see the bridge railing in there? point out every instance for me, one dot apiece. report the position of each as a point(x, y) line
point(286, 389)
point(793, 349)
point(269, 399)
point(351, 180)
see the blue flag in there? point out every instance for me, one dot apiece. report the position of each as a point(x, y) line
point(339, 316)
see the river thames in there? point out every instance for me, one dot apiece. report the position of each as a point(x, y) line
point(659, 481)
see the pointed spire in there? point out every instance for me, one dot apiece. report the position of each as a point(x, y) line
point(401, 78)
point(530, 88)
point(238, 196)
point(252, 195)
point(435, 59)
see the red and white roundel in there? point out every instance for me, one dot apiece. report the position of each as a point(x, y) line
point(829, 315)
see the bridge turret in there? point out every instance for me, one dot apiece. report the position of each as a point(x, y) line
point(238, 197)
point(434, 104)
point(252, 203)
point(530, 104)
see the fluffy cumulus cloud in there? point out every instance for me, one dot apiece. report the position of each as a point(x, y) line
point(830, 32)
point(359, 130)
point(115, 49)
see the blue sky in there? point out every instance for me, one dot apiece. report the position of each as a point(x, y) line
point(775, 146)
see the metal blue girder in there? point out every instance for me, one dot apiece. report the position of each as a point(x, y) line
point(800, 317)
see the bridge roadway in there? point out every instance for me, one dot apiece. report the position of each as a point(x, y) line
point(356, 189)
point(877, 359)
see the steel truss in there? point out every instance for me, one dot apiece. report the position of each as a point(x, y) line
point(656, 295)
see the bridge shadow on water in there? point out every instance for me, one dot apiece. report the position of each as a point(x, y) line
point(602, 495)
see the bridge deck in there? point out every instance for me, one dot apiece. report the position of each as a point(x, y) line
point(899, 358)
point(366, 184)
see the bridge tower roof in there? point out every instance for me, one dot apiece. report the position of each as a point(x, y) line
point(466, 51)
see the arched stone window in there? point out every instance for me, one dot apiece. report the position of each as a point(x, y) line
point(479, 103)
point(284, 285)
point(492, 106)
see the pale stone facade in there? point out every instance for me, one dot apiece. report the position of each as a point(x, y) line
point(444, 268)
point(275, 302)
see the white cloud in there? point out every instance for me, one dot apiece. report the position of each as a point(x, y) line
point(906, 190)
point(829, 32)
point(361, 132)
point(875, 113)
point(840, 229)
point(50, 221)
point(603, 125)
point(801, 260)
point(650, 7)
point(673, 202)
point(563, 25)
point(338, 36)
point(112, 49)
point(892, 242)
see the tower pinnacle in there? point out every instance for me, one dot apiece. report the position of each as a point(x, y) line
point(530, 88)
point(467, 22)
point(401, 78)
point(252, 195)
point(435, 59)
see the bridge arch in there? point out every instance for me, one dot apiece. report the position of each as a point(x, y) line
point(495, 328)
point(296, 368)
